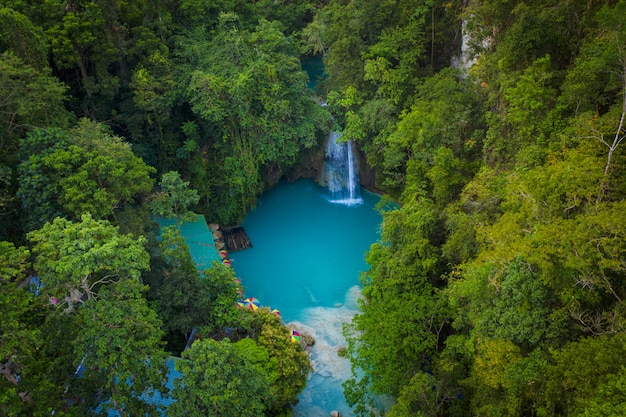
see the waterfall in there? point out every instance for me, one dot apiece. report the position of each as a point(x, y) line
point(465, 60)
point(341, 172)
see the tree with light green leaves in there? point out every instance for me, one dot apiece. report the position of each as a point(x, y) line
point(175, 199)
point(77, 259)
point(400, 326)
point(223, 292)
point(36, 362)
point(250, 90)
point(89, 311)
point(218, 380)
point(289, 364)
point(186, 298)
point(120, 349)
point(83, 170)
point(278, 368)
point(586, 378)
point(91, 274)
point(439, 136)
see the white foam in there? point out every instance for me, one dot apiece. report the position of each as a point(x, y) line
point(330, 370)
point(348, 201)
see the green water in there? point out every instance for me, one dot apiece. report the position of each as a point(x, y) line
point(307, 257)
point(314, 66)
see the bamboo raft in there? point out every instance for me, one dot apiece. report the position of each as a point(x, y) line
point(236, 238)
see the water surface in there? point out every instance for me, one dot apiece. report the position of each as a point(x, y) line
point(314, 67)
point(307, 257)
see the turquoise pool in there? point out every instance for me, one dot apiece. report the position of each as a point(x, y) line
point(307, 257)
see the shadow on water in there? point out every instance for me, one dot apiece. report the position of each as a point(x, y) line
point(314, 67)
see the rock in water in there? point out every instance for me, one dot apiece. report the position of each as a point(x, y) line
point(335, 414)
point(308, 340)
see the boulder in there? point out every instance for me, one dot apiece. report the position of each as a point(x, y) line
point(308, 340)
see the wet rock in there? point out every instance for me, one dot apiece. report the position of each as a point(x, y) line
point(335, 413)
point(308, 340)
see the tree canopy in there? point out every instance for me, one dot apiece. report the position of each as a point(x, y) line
point(497, 287)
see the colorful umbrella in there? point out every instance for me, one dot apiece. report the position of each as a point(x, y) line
point(226, 262)
point(295, 336)
point(252, 303)
point(276, 313)
point(241, 303)
point(223, 254)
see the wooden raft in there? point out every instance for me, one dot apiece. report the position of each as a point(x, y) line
point(236, 238)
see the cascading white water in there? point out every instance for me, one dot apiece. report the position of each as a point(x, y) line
point(465, 60)
point(341, 172)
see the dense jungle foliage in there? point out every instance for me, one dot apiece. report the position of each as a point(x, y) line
point(496, 290)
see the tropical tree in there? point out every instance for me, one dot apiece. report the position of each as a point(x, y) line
point(23, 38)
point(186, 298)
point(88, 314)
point(222, 292)
point(30, 98)
point(175, 198)
point(85, 41)
point(120, 350)
point(400, 326)
point(599, 390)
point(262, 120)
point(20, 334)
point(85, 170)
point(178, 294)
point(596, 84)
point(76, 259)
point(289, 365)
point(218, 380)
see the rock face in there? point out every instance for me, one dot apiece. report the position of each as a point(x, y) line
point(310, 165)
point(367, 174)
point(273, 175)
point(308, 340)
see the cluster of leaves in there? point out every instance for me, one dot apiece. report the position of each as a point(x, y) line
point(186, 298)
point(96, 98)
point(89, 336)
point(247, 86)
point(499, 282)
point(215, 91)
point(497, 287)
point(83, 170)
point(79, 318)
point(261, 373)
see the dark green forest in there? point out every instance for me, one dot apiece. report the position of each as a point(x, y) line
point(497, 287)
